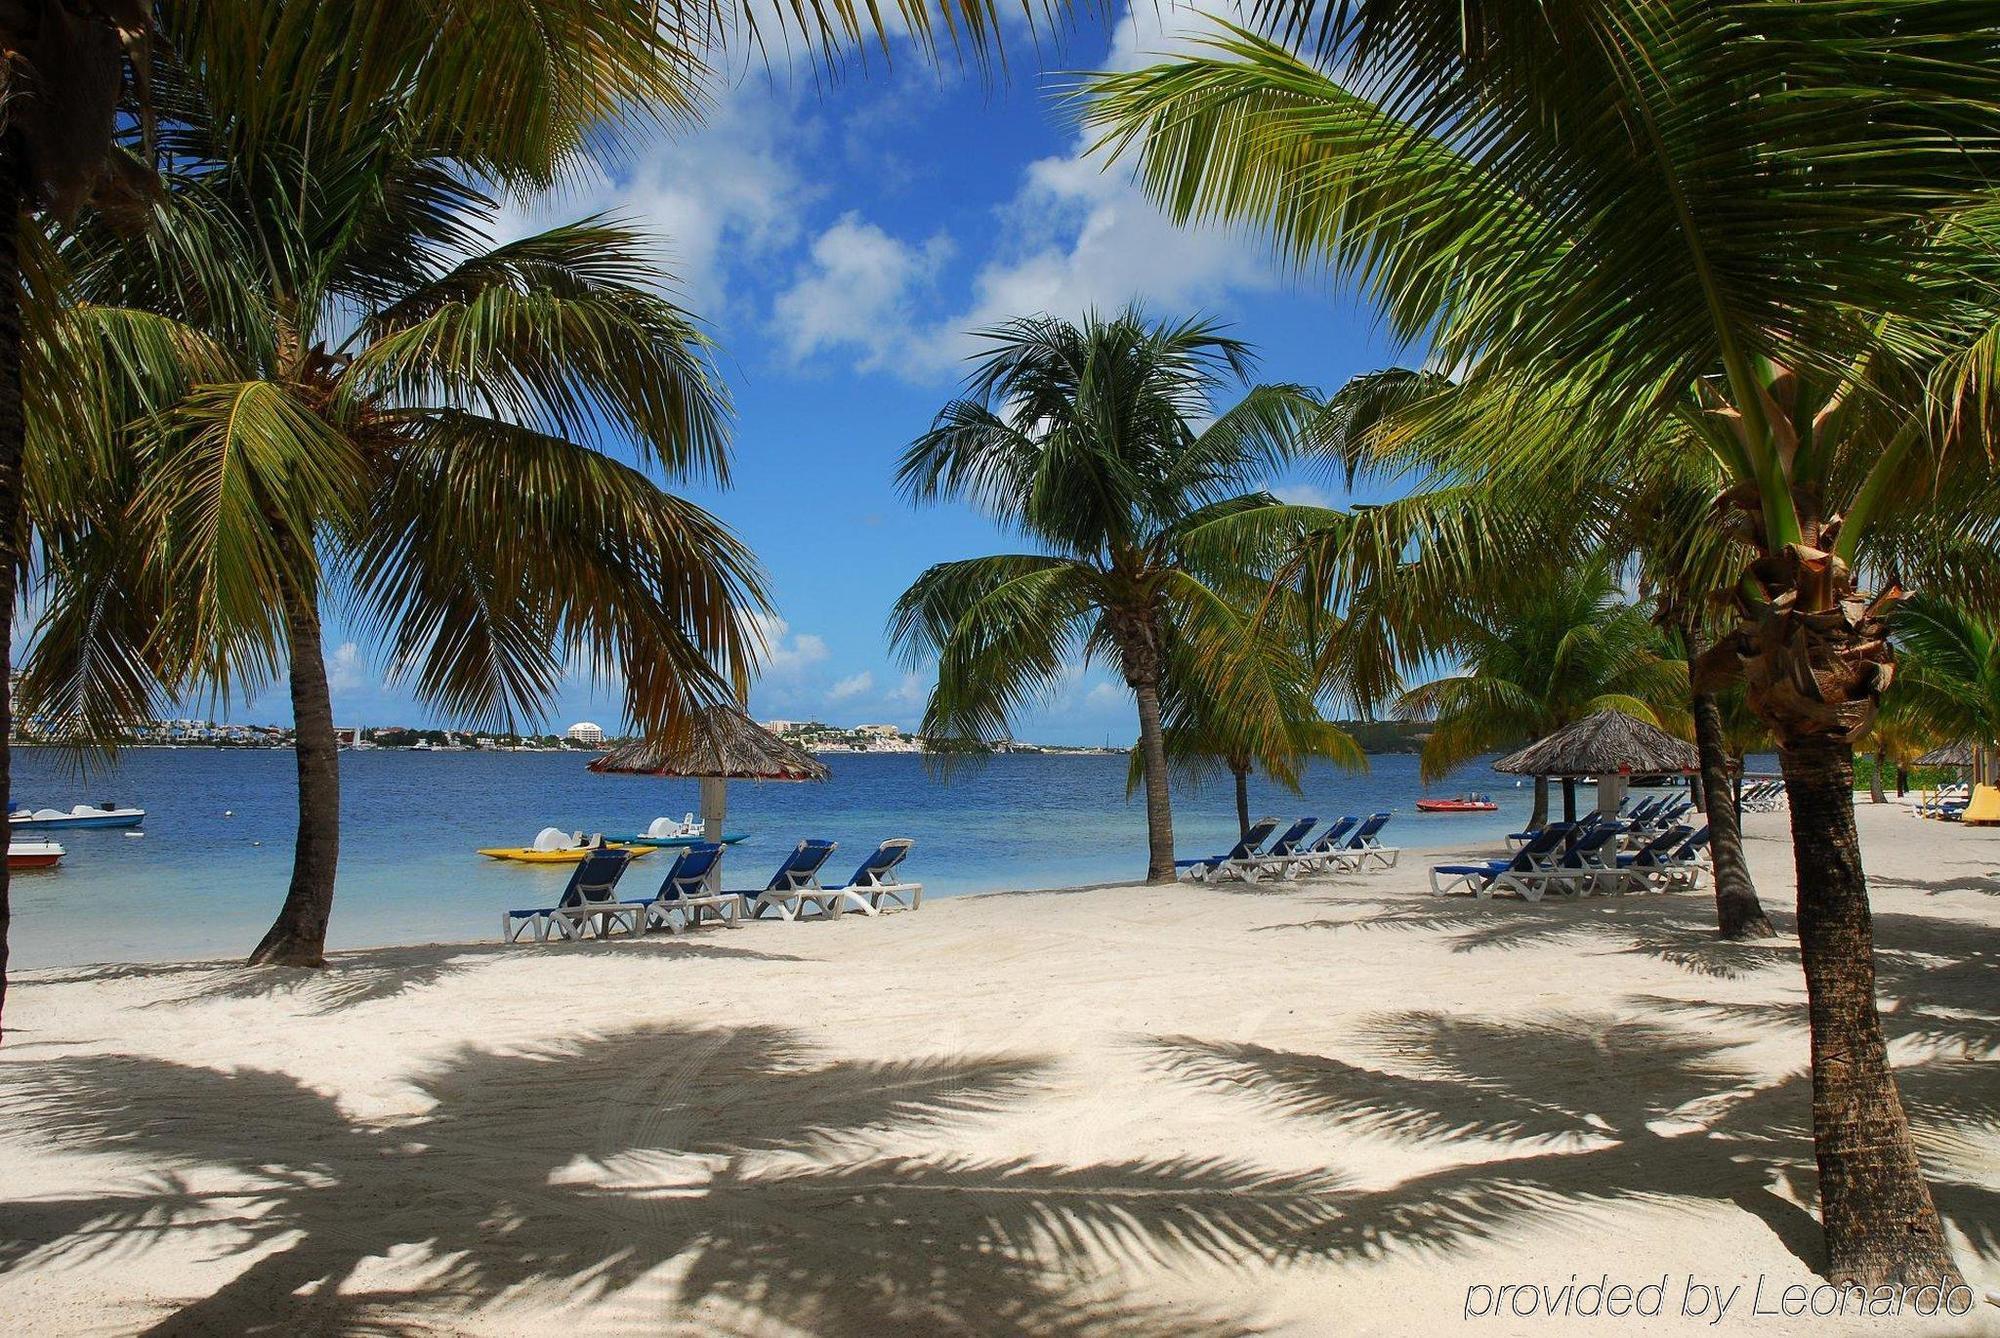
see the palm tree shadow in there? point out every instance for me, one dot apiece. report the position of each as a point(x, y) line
point(1584, 1112)
point(781, 1184)
point(372, 975)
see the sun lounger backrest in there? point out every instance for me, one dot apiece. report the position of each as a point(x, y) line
point(595, 878)
point(1692, 846)
point(801, 866)
point(1645, 808)
point(1366, 832)
point(1546, 840)
point(1657, 849)
point(876, 868)
point(1330, 838)
point(1260, 832)
point(1289, 842)
point(690, 871)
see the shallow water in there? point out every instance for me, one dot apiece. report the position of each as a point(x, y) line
point(208, 875)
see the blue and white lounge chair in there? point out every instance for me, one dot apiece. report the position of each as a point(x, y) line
point(685, 892)
point(796, 880)
point(1210, 869)
point(1649, 866)
point(1287, 857)
point(874, 886)
point(1366, 845)
point(1538, 856)
point(1320, 852)
point(590, 902)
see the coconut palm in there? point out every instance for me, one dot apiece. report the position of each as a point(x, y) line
point(347, 394)
point(1733, 214)
point(1651, 505)
point(1553, 650)
point(1950, 684)
point(1085, 438)
point(1270, 720)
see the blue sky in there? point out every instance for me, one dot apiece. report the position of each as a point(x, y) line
point(839, 242)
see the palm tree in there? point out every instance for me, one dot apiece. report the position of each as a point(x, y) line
point(342, 392)
point(1553, 650)
point(1734, 215)
point(1950, 682)
point(1084, 437)
point(1269, 722)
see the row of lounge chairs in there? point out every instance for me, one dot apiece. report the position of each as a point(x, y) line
point(1646, 819)
point(1582, 860)
point(590, 905)
point(1766, 796)
point(1352, 844)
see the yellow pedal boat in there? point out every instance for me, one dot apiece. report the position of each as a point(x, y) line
point(573, 855)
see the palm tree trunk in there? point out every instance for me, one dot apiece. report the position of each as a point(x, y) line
point(13, 434)
point(1738, 913)
point(1159, 805)
point(1881, 1226)
point(1875, 795)
point(1540, 817)
point(298, 937)
point(1902, 781)
point(1242, 775)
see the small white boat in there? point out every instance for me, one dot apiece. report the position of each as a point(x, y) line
point(34, 854)
point(82, 815)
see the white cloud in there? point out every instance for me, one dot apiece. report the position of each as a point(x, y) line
point(912, 691)
point(851, 686)
point(345, 670)
point(785, 654)
point(720, 198)
point(859, 290)
point(1107, 695)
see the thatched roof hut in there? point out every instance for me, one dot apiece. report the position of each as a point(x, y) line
point(1606, 743)
point(1948, 755)
point(720, 743)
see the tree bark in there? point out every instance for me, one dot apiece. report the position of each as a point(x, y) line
point(1242, 775)
point(1159, 805)
point(1881, 1225)
point(1875, 795)
point(13, 436)
point(1739, 911)
point(298, 936)
point(1902, 781)
point(1540, 817)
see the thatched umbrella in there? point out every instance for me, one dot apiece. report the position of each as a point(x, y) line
point(719, 745)
point(1607, 743)
point(1948, 755)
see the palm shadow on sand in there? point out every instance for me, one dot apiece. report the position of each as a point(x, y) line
point(372, 975)
point(766, 1173)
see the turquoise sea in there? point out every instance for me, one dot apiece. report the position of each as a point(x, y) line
point(212, 867)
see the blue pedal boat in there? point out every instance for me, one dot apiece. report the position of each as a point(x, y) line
point(83, 815)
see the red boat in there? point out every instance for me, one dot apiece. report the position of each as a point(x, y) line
point(1465, 803)
point(33, 854)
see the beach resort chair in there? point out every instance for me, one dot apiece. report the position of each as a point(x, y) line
point(1287, 856)
point(1209, 869)
point(1587, 860)
point(1685, 866)
point(685, 892)
point(874, 886)
point(1320, 851)
point(1366, 845)
point(1648, 867)
point(796, 881)
point(590, 901)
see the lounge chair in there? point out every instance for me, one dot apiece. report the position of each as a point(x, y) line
point(794, 885)
point(1328, 843)
point(1287, 856)
point(1638, 870)
point(874, 886)
point(1505, 875)
point(1365, 845)
point(589, 901)
point(1214, 866)
point(685, 892)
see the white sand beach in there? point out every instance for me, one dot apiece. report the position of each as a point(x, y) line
point(1341, 1106)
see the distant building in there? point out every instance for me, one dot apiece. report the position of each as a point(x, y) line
point(781, 726)
point(879, 731)
point(583, 731)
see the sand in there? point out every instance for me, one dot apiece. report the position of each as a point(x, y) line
point(1342, 1106)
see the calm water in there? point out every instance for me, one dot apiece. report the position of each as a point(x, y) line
point(202, 884)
